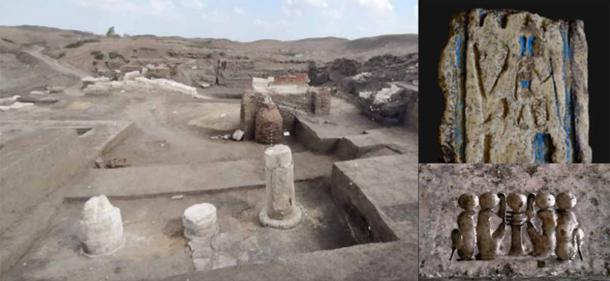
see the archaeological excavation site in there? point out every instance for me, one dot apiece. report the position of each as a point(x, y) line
point(165, 158)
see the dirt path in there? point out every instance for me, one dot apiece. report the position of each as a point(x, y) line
point(68, 70)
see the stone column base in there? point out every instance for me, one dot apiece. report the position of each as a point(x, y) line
point(286, 223)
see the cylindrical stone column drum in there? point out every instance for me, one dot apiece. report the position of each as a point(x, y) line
point(280, 210)
point(269, 127)
point(101, 227)
point(200, 222)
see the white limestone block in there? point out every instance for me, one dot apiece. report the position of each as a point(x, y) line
point(101, 227)
point(200, 222)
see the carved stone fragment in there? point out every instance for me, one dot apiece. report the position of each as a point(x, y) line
point(515, 86)
point(569, 236)
point(516, 219)
point(542, 241)
point(488, 239)
point(464, 238)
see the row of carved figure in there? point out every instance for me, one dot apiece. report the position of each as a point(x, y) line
point(477, 238)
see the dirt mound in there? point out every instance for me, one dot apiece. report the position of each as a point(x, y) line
point(383, 41)
point(22, 73)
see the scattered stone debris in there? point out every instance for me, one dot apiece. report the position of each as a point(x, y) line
point(16, 105)
point(9, 100)
point(98, 90)
point(285, 84)
point(55, 89)
point(105, 87)
point(92, 80)
point(157, 71)
point(38, 100)
point(177, 197)
point(101, 227)
point(39, 93)
point(132, 75)
point(110, 164)
point(238, 135)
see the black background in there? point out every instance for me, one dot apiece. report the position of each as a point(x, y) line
point(433, 35)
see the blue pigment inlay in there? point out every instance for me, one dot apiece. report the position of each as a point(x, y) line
point(569, 107)
point(522, 43)
point(525, 84)
point(568, 118)
point(458, 51)
point(530, 45)
point(542, 148)
point(567, 50)
point(482, 14)
point(458, 131)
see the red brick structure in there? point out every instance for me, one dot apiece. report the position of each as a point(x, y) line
point(320, 101)
point(299, 79)
point(268, 124)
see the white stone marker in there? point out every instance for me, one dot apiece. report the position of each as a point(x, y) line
point(200, 222)
point(280, 210)
point(101, 227)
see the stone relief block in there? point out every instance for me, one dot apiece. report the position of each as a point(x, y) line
point(515, 86)
point(553, 222)
point(485, 245)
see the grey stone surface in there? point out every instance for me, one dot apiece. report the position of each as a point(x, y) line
point(146, 181)
point(37, 158)
point(440, 185)
point(379, 195)
point(515, 86)
point(379, 261)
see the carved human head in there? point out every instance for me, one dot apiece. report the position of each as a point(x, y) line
point(489, 200)
point(516, 201)
point(566, 200)
point(545, 200)
point(468, 201)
